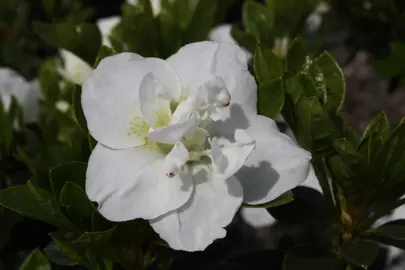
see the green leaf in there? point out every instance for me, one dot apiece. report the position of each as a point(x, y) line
point(308, 85)
point(393, 64)
point(103, 53)
point(257, 20)
point(271, 98)
point(84, 40)
point(293, 86)
point(379, 124)
point(77, 108)
point(310, 258)
point(66, 247)
point(94, 239)
point(201, 22)
point(74, 172)
point(392, 230)
point(316, 127)
point(74, 198)
point(281, 200)
point(359, 252)
point(334, 80)
point(297, 56)
point(92, 142)
point(244, 39)
point(36, 203)
point(267, 66)
point(54, 254)
point(36, 261)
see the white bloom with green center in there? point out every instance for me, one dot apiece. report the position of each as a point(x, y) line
point(180, 142)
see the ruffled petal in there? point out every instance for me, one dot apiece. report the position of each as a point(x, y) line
point(194, 226)
point(132, 183)
point(110, 98)
point(275, 166)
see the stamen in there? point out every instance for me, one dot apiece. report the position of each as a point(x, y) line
point(226, 105)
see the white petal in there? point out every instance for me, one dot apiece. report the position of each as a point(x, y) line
point(110, 98)
point(222, 33)
point(257, 217)
point(106, 25)
point(172, 133)
point(194, 226)
point(74, 69)
point(155, 6)
point(26, 93)
point(275, 166)
point(132, 183)
point(197, 63)
point(176, 159)
point(132, 2)
point(155, 109)
point(227, 157)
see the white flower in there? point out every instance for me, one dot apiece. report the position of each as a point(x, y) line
point(106, 25)
point(74, 69)
point(314, 20)
point(176, 142)
point(26, 93)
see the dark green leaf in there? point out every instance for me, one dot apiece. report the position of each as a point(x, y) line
point(379, 124)
point(74, 198)
point(94, 239)
point(297, 56)
point(393, 230)
point(333, 78)
point(281, 200)
point(36, 261)
point(271, 98)
point(257, 20)
point(77, 108)
point(66, 247)
point(74, 172)
point(72, 37)
point(293, 86)
point(308, 85)
point(267, 66)
point(36, 203)
point(201, 22)
point(310, 258)
point(53, 253)
point(359, 252)
point(244, 39)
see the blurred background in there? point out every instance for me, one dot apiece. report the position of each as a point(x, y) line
point(367, 38)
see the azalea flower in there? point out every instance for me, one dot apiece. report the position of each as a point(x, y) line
point(26, 93)
point(314, 20)
point(180, 143)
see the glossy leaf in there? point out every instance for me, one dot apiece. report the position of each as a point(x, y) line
point(90, 239)
point(35, 203)
point(36, 261)
point(257, 20)
point(267, 65)
point(74, 172)
point(297, 56)
point(72, 37)
point(75, 200)
point(271, 98)
point(361, 253)
point(77, 108)
point(333, 77)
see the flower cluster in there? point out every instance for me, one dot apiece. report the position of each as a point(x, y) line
point(180, 142)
